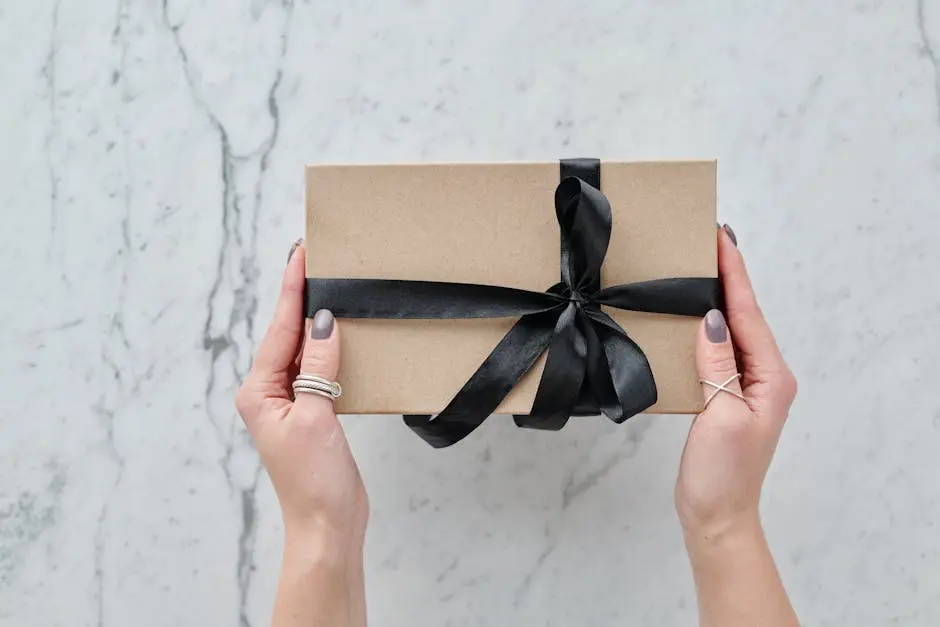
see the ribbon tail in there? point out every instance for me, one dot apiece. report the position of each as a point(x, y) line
point(599, 381)
point(628, 373)
point(562, 378)
point(489, 385)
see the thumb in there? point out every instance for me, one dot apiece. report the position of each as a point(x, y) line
point(714, 359)
point(320, 357)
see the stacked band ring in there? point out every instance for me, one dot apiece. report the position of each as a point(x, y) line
point(312, 384)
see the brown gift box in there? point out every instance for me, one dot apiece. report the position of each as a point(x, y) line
point(496, 224)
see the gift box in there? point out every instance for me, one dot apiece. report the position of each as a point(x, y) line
point(541, 290)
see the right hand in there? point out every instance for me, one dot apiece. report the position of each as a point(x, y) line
point(732, 442)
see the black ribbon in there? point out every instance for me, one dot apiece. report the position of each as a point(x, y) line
point(592, 366)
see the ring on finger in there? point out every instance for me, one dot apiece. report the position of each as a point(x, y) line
point(719, 388)
point(313, 384)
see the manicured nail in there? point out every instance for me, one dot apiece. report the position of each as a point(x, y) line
point(715, 328)
point(293, 247)
point(730, 232)
point(322, 326)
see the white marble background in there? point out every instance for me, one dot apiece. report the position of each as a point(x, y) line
point(151, 161)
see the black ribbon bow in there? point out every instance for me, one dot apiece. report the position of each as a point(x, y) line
point(592, 365)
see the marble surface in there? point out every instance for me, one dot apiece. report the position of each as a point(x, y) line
point(151, 159)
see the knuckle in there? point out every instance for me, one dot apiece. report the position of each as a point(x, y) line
point(722, 363)
point(788, 385)
point(243, 401)
point(316, 363)
point(745, 312)
point(292, 283)
point(281, 326)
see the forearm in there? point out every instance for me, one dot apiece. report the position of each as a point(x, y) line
point(321, 584)
point(736, 580)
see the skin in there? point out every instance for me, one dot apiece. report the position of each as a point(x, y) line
point(325, 508)
point(305, 452)
point(726, 457)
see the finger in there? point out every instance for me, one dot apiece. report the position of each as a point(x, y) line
point(714, 360)
point(753, 339)
point(320, 358)
point(282, 340)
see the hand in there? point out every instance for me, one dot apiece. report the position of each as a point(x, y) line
point(726, 457)
point(301, 442)
point(732, 442)
point(305, 452)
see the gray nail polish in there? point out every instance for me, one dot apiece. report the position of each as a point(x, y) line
point(293, 247)
point(730, 232)
point(715, 327)
point(322, 326)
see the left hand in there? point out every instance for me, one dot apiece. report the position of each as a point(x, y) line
point(300, 440)
point(305, 451)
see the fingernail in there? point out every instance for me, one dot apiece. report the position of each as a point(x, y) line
point(730, 232)
point(322, 326)
point(293, 247)
point(715, 328)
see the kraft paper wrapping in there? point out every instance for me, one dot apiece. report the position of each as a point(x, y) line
point(495, 223)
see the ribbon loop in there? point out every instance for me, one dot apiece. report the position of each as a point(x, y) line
point(584, 219)
point(592, 365)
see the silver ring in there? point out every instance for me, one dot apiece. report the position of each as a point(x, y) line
point(312, 391)
point(312, 384)
point(306, 385)
point(332, 386)
point(721, 388)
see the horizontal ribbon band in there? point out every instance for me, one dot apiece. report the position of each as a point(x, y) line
point(592, 365)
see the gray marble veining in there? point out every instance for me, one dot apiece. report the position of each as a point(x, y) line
point(151, 184)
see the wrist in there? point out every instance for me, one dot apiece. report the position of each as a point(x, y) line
point(736, 580)
point(716, 523)
point(322, 578)
point(321, 543)
point(722, 539)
